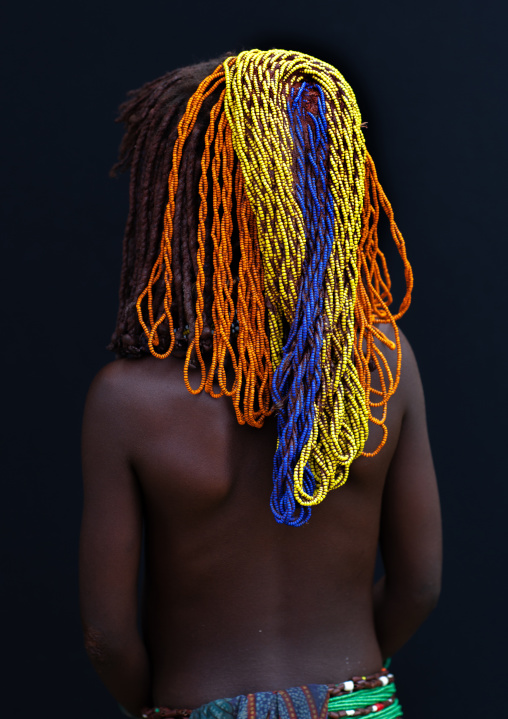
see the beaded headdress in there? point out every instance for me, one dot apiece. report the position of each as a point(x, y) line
point(287, 187)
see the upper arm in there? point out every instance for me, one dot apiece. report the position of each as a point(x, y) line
point(411, 520)
point(112, 517)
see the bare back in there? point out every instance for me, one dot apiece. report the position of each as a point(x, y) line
point(233, 601)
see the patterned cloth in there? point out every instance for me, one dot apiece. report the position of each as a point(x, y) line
point(308, 702)
point(359, 696)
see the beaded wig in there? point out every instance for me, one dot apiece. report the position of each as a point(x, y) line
point(252, 244)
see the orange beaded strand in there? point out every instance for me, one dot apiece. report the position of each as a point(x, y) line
point(373, 299)
point(253, 361)
point(200, 279)
point(250, 357)
point(253, 345)
point(187, 122)
point(223, 309)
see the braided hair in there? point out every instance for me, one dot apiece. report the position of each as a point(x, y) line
point(151, 116)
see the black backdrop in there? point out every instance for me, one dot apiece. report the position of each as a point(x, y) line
point(430, 79)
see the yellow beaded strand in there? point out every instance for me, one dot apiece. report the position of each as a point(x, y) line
point(257, 91)
point(250, 119)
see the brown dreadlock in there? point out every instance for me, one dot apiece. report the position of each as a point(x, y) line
point(151, 116)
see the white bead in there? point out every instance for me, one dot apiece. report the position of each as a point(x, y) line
point(374, 708)
point(348, 687)
point(384, 680)
point(350, 712)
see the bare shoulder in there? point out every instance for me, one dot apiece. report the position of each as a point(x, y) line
point(135, 403)
point(410, 385)
point(114, 399)
point(130, 383)
point(116, 381)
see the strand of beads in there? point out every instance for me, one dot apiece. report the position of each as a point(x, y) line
point(254, 404)
point(252, 341)
point(308, 252)
point(363, 696)
point(223, 309)
point(373, 300)
point(194, 345)
point(162, 265)
point(255, 105)
point(341, 428)
point(256, 87)
point(343, 420)
point(297, 379)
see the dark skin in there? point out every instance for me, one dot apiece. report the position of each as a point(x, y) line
point(234, 602)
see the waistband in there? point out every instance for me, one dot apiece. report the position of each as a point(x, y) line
point(357, 697)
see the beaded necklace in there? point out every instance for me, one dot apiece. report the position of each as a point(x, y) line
point(285, 162)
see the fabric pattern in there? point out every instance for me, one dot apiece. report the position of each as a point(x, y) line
point(358, 697)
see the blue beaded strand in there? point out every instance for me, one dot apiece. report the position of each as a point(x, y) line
point(297, 379)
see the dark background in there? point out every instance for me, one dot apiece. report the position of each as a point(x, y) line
point(430, 80)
